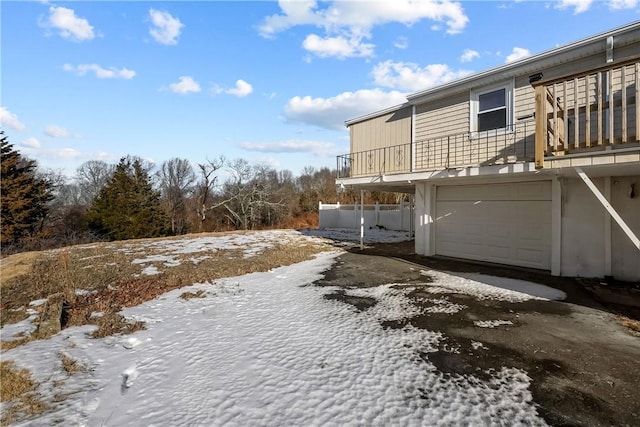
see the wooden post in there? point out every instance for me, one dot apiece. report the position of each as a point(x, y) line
point(637, 101)
point(624, 103)
point(599, 100)
point(587, 111)
point(611, 108)
point(541, 126)
point(554, 105)
point(576, 115)
point(565, 119)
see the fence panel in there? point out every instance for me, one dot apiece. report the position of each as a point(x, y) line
point(397, 217)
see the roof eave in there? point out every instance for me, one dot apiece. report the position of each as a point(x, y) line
point(581, 48)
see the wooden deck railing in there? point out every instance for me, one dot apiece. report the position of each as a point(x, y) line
point(588, 111)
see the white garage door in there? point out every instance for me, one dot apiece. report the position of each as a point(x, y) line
point(503, 223)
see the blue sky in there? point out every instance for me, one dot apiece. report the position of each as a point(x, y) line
point(270, 82)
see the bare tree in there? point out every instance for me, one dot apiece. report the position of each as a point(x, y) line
point(251, 196)
point(205, 187)
point(176, 179)
point(91, 176)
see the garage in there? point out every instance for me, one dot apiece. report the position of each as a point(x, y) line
point(506, 223)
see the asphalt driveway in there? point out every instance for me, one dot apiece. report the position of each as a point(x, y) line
point(584, 364)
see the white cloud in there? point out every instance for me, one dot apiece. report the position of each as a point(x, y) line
point(69, 26)
point(7, 118)
point(401, 43)
point(357, 17)
point(31, 143)
point(66, 153)
point(292, 146)
point(165, 28)
point(348, 23)
point(56, 131)
point(339, 47)
point(623, 4)
point(517, 54)
point(578, 6)
point(32, 148)
point(242, 89)
point(185, 85)
point(469, 55)
point(101, 73)
point(410, 76)
point(330, 113)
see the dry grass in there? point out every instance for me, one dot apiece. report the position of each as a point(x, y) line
point(189, 295)
point(70, 365)
point(8, 345)
point(18, 389)
point(102, 278)
point(17, 265)
point(632, 324)
point(14, 381)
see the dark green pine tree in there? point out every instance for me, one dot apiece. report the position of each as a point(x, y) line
point(128, 207)
point(24, 196)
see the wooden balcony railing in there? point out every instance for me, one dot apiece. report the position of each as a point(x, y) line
point(588, 111)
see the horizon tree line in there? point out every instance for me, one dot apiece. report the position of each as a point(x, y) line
point(134, 198)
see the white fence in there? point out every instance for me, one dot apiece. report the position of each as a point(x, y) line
point(391, 217)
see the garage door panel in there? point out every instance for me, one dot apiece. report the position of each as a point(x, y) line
point(533, 191)
point(539, 190)
point(531, 256)
point(516, 231)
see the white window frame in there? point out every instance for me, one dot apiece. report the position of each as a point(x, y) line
point(474, 104)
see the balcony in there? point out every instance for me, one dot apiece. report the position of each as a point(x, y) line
point(500, 146)
point(588, 112)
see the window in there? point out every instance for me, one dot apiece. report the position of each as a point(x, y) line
point(491, 108)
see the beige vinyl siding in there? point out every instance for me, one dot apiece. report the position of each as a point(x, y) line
point(442, 117)
point(383, 131)
point(382, 144)
point(434, 122)
point(525, 98)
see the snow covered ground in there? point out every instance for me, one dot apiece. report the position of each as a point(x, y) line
point(269, 349)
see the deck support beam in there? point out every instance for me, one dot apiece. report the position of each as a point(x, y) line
point(603, 200)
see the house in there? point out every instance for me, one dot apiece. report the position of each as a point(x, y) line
point(535, 163)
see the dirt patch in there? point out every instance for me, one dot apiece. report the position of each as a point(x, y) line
point(361, 303)
point(583, 363)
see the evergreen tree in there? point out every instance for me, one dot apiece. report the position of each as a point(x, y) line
point(24, 196)
point(128, 207)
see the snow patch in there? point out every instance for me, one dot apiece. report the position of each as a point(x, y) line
point(485, 287)
point(276, 353)
point(491, 323)
point(150, 270)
